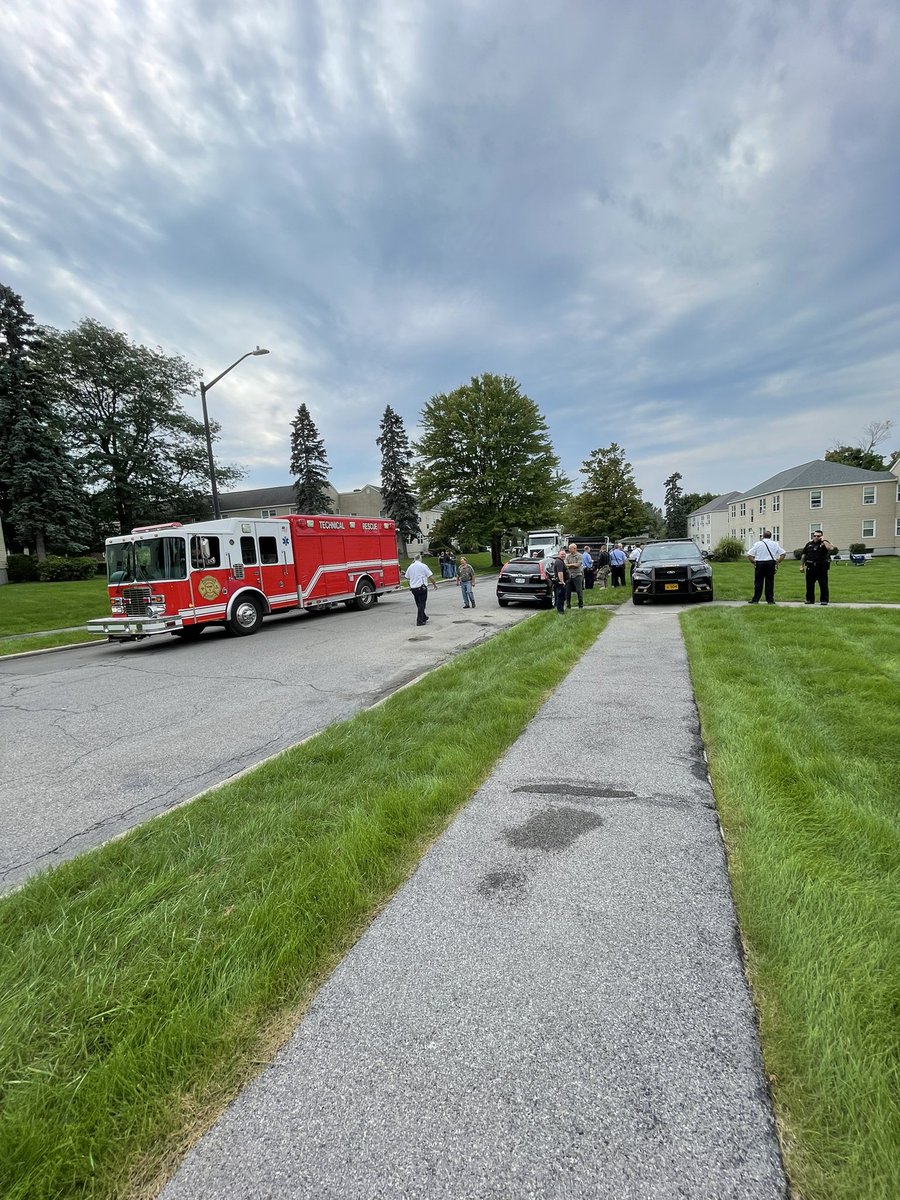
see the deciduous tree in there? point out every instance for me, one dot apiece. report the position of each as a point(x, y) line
point(309, 465)
point(694, 500)
point(611, 501)
point(865, 455)
point(396, 463)
point(485, 451)
point(142, 455)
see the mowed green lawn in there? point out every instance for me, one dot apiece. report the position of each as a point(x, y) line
point(878, 581)
point(34, 607)
point(800, 719)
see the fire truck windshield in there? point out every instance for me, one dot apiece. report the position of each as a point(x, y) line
point(149, 559)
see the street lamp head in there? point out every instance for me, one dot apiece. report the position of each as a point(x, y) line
point(258, 350)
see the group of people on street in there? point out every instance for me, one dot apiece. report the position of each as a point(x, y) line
point(447, 563)
point(815, 560)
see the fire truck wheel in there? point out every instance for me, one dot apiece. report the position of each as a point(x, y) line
point(246, 617)
point(365, 596)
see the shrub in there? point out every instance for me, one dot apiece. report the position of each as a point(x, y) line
point(57, 570)
point(22, 568)
point(799, 553)
point(729, 549)
point(858, 548)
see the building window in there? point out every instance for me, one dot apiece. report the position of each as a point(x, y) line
point(868, 529)
point(268, 512)
point(762, 506)
point(743, 510)
point(897, 528)
point(869, 494)
point(776, 503)
point(776, 532)
point(815, 527)
point(815, 498)
point(743, 535)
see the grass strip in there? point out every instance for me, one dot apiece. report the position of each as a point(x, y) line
point(46, 641)
point(142, 983)
point(799, 715)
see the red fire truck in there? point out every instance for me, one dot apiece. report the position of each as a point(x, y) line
point(179, 579)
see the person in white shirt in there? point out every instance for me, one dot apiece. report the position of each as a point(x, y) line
point(634, 556)
point(765, 555)
point(419, 575)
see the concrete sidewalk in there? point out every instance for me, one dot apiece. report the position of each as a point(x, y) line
point(554, 1005)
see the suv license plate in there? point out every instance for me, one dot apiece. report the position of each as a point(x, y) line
point(670, 587)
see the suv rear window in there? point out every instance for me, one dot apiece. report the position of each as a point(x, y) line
point(528, 567)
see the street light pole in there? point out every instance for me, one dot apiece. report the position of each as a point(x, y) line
point(204, 388)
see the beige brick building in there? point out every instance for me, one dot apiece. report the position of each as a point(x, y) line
point(848, 504)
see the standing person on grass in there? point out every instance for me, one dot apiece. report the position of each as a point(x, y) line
point(601, 565)
point(765, 555)
point(558, 572)
point(419, 575)
point(466, 581)
point(617, 565)
point(575, 567)
point(816, 558)
point(588, 563)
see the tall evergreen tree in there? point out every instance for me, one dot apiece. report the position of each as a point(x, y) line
point(676, 517)
point(610, 502)
point(309, 466)
point(42, 500)
point(486, 452)
point(396, 457)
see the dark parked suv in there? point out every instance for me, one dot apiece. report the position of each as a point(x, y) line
point(525, 579)
point(675, 568)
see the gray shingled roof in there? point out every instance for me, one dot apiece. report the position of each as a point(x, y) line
point(716, 505)
point(818, 473)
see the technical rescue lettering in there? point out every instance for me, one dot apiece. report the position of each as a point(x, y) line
point(180, 579)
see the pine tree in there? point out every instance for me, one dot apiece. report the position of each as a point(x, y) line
point(309, 466)
point(41, 495)
point(676, 516)
point(397, 500)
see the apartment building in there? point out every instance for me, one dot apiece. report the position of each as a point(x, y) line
point(848, 504)
point(709, 524)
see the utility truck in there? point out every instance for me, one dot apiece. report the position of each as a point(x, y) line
point(180, 579)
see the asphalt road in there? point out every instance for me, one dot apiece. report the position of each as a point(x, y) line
point(96, 740)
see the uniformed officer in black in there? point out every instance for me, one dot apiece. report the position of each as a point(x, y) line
point(816, 559)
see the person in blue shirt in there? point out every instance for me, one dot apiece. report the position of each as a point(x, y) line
point(617, 562)
point(587, 564)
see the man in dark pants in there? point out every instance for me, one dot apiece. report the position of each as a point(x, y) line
point(560, 576)
point(765, 555)
point(419, 575)
point(816, 559)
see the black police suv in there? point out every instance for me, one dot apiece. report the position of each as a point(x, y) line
point(673, 568)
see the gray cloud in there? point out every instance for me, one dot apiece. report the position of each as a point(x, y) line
point(675, 225)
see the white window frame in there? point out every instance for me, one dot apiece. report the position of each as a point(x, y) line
point(762, 505)
point(868, 521)
point(776, 532)
point(265, 513)
point(814, 527)
point(776, 503)
point(897, 528)
point(743, 510)
point(815, 498)
point(870, 494)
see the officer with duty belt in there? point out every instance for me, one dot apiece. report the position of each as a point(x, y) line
point(816, 559)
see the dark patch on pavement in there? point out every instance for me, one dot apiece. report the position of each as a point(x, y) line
point(503, 884)
point(576, 789)
point(552, 829)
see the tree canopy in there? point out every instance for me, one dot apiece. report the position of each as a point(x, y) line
point(42, 499)
point(610, 502)
point(865, 455)
point(309, 465)
point(694, 500)
point(141, 454)
point(485, 451)
point(396, 463)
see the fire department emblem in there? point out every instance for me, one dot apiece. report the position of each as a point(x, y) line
point(209, 587)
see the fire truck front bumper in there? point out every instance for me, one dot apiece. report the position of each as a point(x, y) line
point(132, 627)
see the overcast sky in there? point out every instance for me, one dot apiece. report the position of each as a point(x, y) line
point(676, 224)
